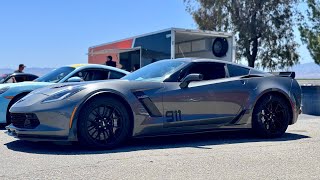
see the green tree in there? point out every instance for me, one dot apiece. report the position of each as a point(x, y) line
point(310, 30)
point(263, 28)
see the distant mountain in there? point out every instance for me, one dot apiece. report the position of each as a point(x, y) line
point(307, 71)
point(33, 70)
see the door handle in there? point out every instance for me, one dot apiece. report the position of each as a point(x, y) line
point(195, 99)
point(192, 99)
point(243, 82)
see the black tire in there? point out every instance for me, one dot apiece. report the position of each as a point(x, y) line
point(14, 100)
point(103, 123)
point(271, 116)
point(3, 125)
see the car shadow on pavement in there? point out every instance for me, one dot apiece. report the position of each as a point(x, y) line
point(202, 141)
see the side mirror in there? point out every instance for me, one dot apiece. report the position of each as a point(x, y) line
point(191, 77)
point(75, 79)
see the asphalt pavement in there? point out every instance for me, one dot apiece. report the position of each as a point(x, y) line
point(228, 155)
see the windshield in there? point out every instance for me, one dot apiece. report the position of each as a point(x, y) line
point(3, 77)
point(157, 71)
point(55, 75)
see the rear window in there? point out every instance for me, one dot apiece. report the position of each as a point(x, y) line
point(253, 71)
point(237, 70)
point(116, 75)
point(31, 77)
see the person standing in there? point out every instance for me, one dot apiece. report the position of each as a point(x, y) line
point(109, 62)
point(135, 67)
point(20, 69)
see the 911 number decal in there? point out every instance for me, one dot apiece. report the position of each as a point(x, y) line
point(173, 116)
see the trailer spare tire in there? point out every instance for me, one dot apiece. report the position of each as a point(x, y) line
point(220, 47)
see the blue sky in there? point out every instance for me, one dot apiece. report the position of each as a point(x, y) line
point(43, 33)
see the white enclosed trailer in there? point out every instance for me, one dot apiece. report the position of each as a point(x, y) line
point(165, 44)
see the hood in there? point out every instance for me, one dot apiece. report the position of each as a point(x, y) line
point(30, 83)
point(117, 84)
point(52, 89)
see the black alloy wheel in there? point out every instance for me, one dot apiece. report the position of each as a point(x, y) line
point(103, 123)
point(271, 116)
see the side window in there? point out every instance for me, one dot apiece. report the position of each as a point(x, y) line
point(93, 74)
point(81, 74)
point(99, 75)
point(253, 71)
point(237, 70)
point(209, 70)
point(115, 75)
point(31, 78)
point(20, 78)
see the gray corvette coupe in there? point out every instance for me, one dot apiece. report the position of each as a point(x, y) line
point(167, 97)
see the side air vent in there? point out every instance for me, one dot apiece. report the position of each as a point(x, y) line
point(146, 102)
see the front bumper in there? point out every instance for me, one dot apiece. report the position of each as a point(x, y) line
point(51, 126)
point(42, 122)
point(32, 136)
point(4, 103)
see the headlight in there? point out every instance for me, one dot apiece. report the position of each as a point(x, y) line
point(4, 89)
point(62, 94)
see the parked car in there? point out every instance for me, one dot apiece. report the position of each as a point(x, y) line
point(11, 93)
point(17, 77)
point(166, 97)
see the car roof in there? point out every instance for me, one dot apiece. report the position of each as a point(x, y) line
point(194, 59)
point(85, 66)
point(28, 74)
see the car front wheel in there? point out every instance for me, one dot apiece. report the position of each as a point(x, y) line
point(103, 123)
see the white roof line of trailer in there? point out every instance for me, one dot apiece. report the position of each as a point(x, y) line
point(164, 30)
point(202, 31)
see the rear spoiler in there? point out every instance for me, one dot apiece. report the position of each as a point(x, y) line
point(291, 74)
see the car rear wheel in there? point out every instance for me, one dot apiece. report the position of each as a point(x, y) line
point(103, 123)
point(271, 116)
